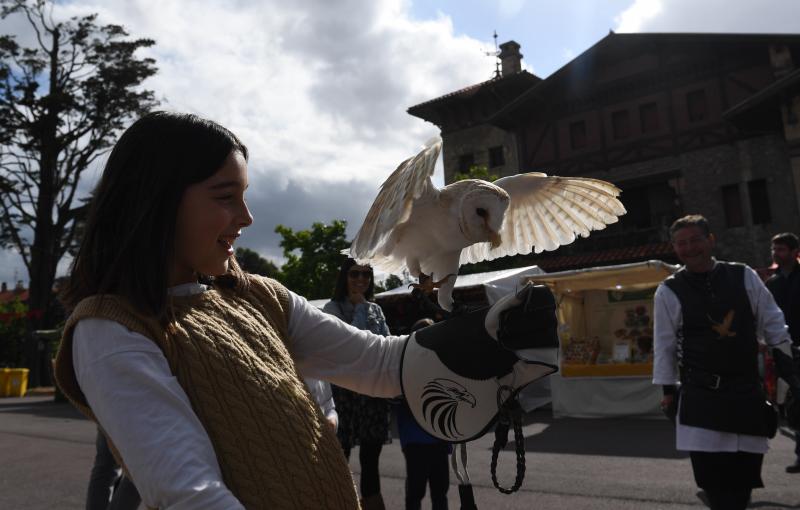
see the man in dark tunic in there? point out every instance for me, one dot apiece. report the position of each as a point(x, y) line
point(785, 287)
point(707, 317)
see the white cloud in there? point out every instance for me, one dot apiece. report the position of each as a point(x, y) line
point(316, 89)
point(637, 15)
point(762, 16)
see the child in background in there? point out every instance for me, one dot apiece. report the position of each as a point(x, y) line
point(426, 456)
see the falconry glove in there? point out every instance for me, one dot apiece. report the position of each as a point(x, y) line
point(458, 375)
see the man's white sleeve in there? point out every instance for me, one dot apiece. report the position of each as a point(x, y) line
point(667, 322)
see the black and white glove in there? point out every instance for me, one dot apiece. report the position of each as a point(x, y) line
point(456, 374)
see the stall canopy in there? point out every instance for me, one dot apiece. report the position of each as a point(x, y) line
point(606, 322)
point(639, 275)
point(496, 284)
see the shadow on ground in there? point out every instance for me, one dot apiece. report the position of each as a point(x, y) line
point(770, 504)
point(43, 408)
point(616, 437)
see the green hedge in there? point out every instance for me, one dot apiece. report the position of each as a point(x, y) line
point(13, 316)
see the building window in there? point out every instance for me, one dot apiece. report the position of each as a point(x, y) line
point(621, 125)
point(577, 134)
point(696, 103)
point(732, 204)
point(648, 115)
point(465, 162)
point(496, 157)
point(759, 201)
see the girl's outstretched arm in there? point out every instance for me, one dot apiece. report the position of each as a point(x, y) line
point(326, 348)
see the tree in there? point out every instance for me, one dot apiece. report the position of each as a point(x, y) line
point(252, 262)
point(475, 172)
point(63, 101)
point(313, 271)
point(392, 282)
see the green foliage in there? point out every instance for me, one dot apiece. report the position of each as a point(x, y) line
point(64, 98)
point(313, 258)
point(392, 282)
point(12, 332)
point(251, 262)
point(475, 172)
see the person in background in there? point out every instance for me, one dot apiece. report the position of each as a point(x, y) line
point(104, 477)
point(785, 288)
point(708, 317)
point(426, 456)
point(363, 420)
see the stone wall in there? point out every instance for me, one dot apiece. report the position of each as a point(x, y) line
point(704, 172)
point(478, 140)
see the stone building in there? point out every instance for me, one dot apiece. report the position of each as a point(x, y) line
point(463, 117)
point(682, 123)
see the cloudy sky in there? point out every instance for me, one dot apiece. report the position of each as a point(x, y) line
point(318, 89)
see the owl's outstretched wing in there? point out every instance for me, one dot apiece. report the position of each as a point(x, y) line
point(546, 212)
point(392, 207)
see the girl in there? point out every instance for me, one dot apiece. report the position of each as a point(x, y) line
point(189, 366)
point(364, 420)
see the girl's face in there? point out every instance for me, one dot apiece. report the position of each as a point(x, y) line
point(358, 279)
point(210, 218)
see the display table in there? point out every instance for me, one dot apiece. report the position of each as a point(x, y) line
point(605, 317)
point(598, 397)
point(618, 370)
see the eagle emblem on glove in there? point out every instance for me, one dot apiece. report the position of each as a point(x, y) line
point(440, 400)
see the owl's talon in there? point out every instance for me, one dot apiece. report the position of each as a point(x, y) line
point(427, 284)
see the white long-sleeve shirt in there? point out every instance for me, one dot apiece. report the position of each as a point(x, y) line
point(668, 321)
point(323, 395)
point(138, 402)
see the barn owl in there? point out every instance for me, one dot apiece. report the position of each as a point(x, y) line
point(429, 231)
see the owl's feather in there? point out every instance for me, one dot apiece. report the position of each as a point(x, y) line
point(546, 212)
point(414, 225)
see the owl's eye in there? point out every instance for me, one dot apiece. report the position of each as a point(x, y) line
point(482, 212)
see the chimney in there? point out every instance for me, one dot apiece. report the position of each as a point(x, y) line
point(510, 58)
point(19, 286)
point(4, 287)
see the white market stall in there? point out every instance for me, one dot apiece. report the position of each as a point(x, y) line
point(495, 284)
point(606, 333)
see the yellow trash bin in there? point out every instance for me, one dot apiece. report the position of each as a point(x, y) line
point(4, 373)
point(13, 382)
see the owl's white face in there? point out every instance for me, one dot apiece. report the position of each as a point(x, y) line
point(482, 213)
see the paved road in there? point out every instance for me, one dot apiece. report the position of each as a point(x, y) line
point(46, 451)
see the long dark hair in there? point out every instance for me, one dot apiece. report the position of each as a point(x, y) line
point(128, 243)
point(340, 292)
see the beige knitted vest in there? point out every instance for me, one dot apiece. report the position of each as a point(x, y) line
point(228, 352)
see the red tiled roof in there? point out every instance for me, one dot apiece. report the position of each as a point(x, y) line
point(523, 77)
point(11, 295)
point(606, 257)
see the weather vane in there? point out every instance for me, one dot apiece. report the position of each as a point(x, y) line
point(496, 55)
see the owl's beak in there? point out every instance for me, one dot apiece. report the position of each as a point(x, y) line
point(495, 239)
